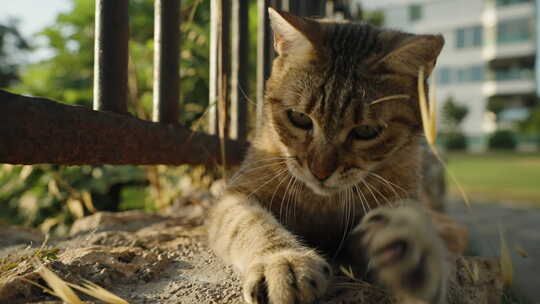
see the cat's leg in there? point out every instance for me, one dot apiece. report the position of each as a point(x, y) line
point(276, 268)
point(403, 250)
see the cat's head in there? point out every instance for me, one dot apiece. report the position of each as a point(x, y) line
point(329, 99)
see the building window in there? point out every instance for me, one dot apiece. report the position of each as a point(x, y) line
point(461, 75)
point(477, 35)
point(469, 37)
point(415, 12)
point(444, 76)
point(476, 73)
point(516, 30)
point(473, 73)
point(460, 38)
point(513, 73)
point(511, 2)
point(467, 74)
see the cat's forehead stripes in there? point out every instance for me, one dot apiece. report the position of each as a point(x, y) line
point(335, 100)
point(337, 93)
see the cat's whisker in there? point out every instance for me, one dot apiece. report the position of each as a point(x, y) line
point(246, 96)
point(361, 201)
point(263, 177)
point(285, 195)
point(348, 223)
point(298, 196)
point(371, 192)
point(276, 190)
point(283, 171)
point(389, 202)
point(363, 198)
point(345, 216)
point(290, 201)
point(390, 185)
point(251, 169)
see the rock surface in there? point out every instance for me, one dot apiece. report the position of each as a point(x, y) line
point(163, 259)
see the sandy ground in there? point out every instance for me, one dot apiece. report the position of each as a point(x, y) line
point(164, 259)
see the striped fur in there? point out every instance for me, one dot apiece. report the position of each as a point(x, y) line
point(277, 219)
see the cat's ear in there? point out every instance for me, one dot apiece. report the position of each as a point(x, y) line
point(413, 52)
point(293, 36)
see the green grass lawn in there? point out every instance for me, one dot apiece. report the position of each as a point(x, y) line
point(497, 176)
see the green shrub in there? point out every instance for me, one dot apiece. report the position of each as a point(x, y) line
point(456, 141)
point(503, 139)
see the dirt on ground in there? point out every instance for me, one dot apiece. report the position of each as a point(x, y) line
point(163, 258)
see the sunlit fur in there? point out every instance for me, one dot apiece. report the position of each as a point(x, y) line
point(335, 83)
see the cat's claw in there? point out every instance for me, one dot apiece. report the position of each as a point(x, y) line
point(287, 277)
point(404, 252)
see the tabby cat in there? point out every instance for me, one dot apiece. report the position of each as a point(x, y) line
point(332, 172)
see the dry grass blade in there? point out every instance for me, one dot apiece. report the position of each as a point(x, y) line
point(348, 272)
point(427, 119)
point(473, 272)
point(58, 286)
point(433, 107)
point(505, 260)
point(88, 202)
point(521, 251)
point(391, 97)
point(62, 289)
point(429, 123)
point(99, 292)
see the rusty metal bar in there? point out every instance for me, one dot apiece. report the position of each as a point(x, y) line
point(239, 69)
point(38, 130)
point(111, 56)
point(166, 61)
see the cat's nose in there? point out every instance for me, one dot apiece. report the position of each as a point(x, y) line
point(322, 164)
point(321, 173)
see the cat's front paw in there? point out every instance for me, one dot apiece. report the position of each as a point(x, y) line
point(287, 277)
point(404, 252)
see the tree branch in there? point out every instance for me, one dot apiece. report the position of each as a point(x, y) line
point(38, 130)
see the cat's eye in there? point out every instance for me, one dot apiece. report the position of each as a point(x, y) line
point(365, 132)
point(299, 119)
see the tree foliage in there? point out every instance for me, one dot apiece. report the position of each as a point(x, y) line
point(12, 46)
point(454, 114)
point(68, 75)
point(532, 124)
point(52, 196)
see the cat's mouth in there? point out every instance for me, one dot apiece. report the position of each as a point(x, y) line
point(323, 190)
point(333, 185)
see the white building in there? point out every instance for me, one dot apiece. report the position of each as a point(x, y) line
point(489, 55)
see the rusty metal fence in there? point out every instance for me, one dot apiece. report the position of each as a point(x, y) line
point(38, 130)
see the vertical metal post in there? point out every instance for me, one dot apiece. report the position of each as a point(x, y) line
point(265, 52)
point(219, 66)
point(111, 56)
point(290, 6)
point(312, 8)
point(166, 61)
point(212, 93)
point(239, 69)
